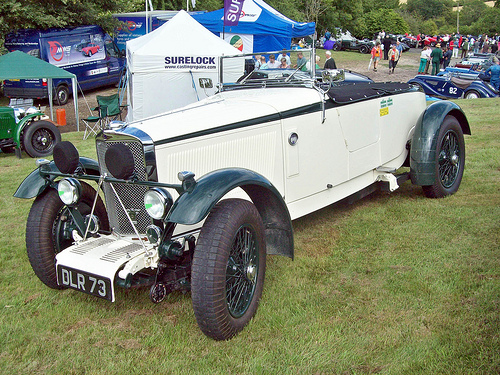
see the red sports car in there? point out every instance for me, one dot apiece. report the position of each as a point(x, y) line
point(430, 41)
point(90, 49)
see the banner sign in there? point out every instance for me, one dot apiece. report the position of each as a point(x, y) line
point(232, 12)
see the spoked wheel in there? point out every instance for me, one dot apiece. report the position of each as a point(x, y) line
point(40, 138)
point(450, 154)
point(49, 228)
point(228, 271)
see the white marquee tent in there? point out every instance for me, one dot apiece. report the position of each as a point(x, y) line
point(166, 66)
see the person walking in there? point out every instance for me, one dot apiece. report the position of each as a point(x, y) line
point(436, 57)
point(376, 52)
point(393, 58)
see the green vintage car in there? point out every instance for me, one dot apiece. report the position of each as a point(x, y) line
point(23, 130)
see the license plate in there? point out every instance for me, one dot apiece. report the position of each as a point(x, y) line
point(85, 282)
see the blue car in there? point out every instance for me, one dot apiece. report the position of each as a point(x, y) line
point(456, 87)
point(466, 73)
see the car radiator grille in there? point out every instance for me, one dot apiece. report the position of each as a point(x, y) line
point(131, 195)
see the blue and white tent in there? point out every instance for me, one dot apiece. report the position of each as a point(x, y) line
point(261, 28)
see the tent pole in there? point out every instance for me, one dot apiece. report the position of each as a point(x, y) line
point(75, 99)
point(49, 88)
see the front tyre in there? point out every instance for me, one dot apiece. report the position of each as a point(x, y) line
point(49, 227)
point(363, 49)
point(40, 138)
point(450, 160)
point(228, 269)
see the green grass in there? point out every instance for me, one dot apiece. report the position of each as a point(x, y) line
point(393, 284)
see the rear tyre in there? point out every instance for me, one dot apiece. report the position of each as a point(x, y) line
point(228, 269)
point(450, 160)
point(363, 49)
point(62, 95)
point(472, 94)
point(40, 137)
point(49, 227)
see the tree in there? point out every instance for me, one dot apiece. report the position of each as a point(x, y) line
point(370, 5)
point(472, 11)
point(429, 9)
point(21, 14)
point(429, 27)
point(488, 24)
point(315, 8)
point(385, 19)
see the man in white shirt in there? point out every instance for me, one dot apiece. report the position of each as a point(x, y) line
point(273, 64)
point(284, 55)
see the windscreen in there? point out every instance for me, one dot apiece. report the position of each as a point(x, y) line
point(298, 66)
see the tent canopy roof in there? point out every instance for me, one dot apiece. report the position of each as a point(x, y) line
point(20, 65)
point(257, 18)
point(180, 36)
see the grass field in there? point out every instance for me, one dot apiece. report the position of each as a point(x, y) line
point(392, 284)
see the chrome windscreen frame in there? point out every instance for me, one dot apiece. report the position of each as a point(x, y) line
point(307, 78)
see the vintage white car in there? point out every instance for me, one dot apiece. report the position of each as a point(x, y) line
point(196, 198)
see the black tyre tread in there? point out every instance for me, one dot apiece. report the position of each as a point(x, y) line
point(29, 132)
point(59, 89)
point(208, 285)
point(437, 190)
point(40, 244)
point(472, 91)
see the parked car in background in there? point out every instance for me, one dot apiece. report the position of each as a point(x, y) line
point(409, 40)
point(200, 206)
point(346, 43)
point(405, 47)
point(465, 73)
point(454, 86)
point(430, 41)
point(26, 129)
point(477, 61)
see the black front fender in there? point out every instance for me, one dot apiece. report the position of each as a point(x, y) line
point(35, 184)
point(194, 206)
point(423, 156)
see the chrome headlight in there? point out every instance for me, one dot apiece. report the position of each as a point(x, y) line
point(157, 202)
point(69, 190)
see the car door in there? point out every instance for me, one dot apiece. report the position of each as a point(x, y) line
point(360, 126)
point(448, 89)
point(315, 156)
